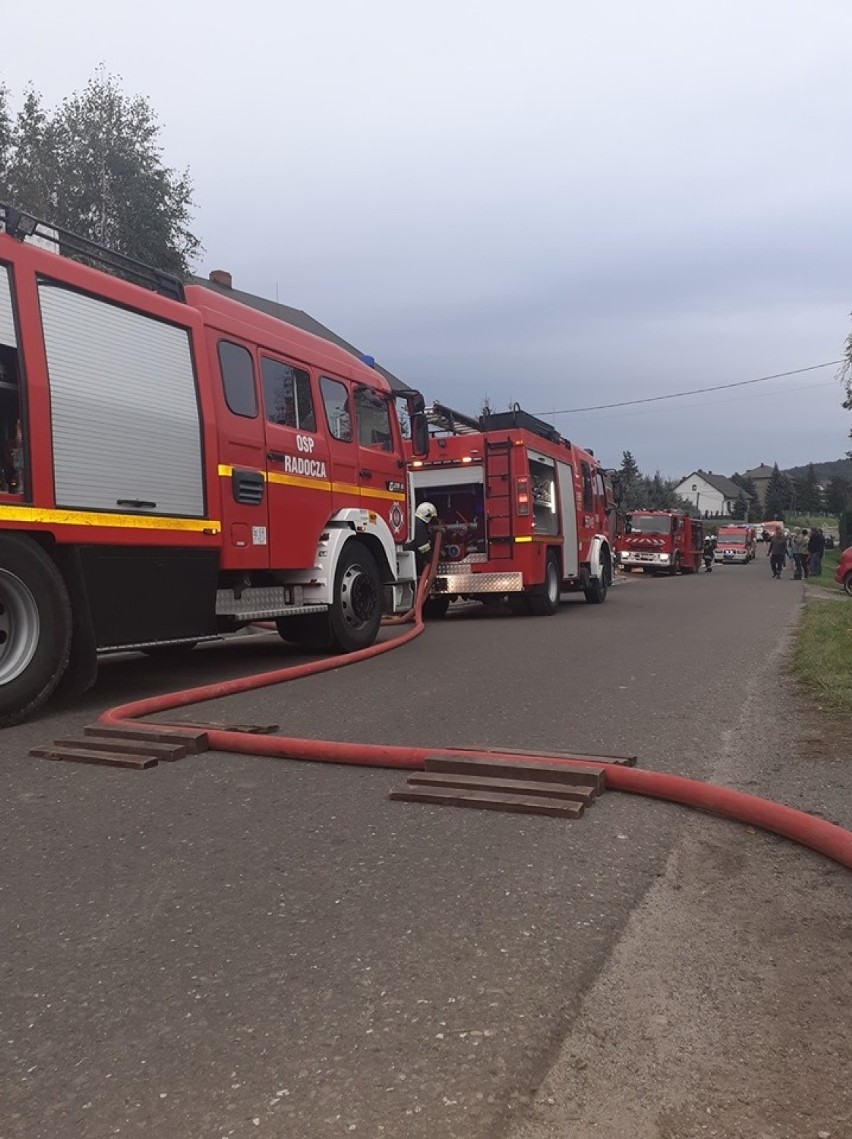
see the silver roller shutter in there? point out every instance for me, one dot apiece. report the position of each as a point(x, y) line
point(123, 408)
point(7, 319)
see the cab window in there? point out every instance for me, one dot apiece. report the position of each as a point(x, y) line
point(287, 395)
point(588, 499)
point(338, 412)
point(238, 379)
point(373, 416)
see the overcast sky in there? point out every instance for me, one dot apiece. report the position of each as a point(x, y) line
point(554, 203)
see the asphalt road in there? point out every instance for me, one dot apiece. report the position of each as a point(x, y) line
point(231, 946)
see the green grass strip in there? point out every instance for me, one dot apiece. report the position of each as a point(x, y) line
point(822, 657)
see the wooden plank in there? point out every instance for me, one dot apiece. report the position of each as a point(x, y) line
point(165, 752)
point(251, 729)
point(517, 769)
point(617, 760)
point(105, 758)
point(573, 792)
point(194, 742)
point(488, 801)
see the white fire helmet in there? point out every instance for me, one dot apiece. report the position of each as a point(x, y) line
point(426, 512)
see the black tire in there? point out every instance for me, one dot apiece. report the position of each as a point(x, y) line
point(35, 627)
point(356, 609)
point(847, 583)
point(169, 652)
point(435, 608)
point(597, 589)
point(627, 569)
point(544, 598)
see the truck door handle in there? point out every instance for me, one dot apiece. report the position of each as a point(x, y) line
point(366, 474)
point(136, 503)
point(275, 456)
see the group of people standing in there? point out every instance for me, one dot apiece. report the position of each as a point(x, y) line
point(801, 548)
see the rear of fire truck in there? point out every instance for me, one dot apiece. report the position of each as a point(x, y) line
point(525, 516)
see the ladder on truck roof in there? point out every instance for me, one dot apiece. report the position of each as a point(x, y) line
point(444, 418)
point(25, 227)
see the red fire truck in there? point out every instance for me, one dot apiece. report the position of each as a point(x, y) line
point(661, 541)
point(526, 514)
point(736, 545)
point(174, 465)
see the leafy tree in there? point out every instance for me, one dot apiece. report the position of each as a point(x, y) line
point(838, 495)
point(740, 507)
point(846, 377)
point(94, 165)
point(809, 492)
point(777, 495)
point(746, 483)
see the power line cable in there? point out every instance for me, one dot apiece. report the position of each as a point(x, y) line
point(692, 391)
point(737, 399)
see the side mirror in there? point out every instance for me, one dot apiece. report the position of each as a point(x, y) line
point(419, 434)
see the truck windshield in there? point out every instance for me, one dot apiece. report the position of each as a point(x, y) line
point(648, 524)
point(732, 539)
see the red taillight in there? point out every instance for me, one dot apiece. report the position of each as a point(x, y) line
point(522, 495)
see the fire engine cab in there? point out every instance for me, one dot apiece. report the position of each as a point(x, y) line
point(661, 541)
point(526, 514)
point(175, 465)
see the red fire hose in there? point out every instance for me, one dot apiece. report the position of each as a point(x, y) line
point(833, 841)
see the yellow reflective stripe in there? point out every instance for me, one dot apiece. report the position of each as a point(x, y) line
point(297, 480)
point(116, 521)
point(318, 484)
point(529, 539)
point(390, 495)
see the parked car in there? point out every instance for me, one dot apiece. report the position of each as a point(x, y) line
point(843, 575)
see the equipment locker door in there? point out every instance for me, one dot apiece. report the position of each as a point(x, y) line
point(297, 458)
point(568, 511)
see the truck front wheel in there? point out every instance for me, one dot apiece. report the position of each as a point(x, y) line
point(598, 587)
point(35, 627)
point(356, 608)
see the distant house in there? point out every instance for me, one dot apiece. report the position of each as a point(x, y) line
point(220, 282)
point(711, 494)
point(760, 476)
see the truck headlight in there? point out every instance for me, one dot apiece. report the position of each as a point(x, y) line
point(664, 557)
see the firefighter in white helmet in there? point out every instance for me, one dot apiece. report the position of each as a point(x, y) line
point(421, 543)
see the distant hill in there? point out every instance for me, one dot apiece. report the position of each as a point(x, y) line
point(824, 471)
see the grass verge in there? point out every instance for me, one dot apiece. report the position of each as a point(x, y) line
point(822, 657)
